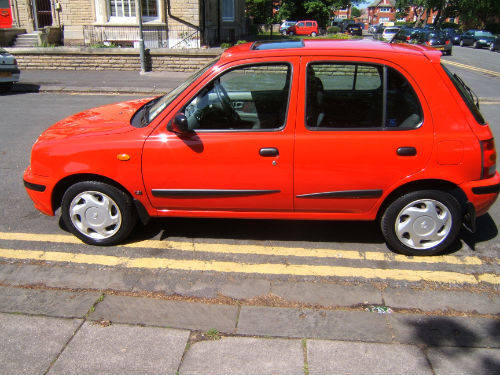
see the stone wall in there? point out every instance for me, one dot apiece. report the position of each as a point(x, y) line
point(68, 58)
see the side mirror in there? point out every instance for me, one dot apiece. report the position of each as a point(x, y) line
point(179, 124)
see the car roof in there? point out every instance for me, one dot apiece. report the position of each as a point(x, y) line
point(308, 47)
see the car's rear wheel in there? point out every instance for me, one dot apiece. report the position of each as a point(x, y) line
point(492, 47)
point(313, 34)
point(422, 222)
point(6, 86)
point(290, 33)
point(98, 213)
point(475, 45)
point(461, 43)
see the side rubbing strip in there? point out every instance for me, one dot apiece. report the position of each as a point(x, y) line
point(35, 187)
point(210, 193)
point(353, 194)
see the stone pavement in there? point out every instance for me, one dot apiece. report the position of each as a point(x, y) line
point(54, 331)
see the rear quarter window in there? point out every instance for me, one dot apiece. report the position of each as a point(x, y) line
point(468, 96)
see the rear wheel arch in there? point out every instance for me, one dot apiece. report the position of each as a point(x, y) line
point(430, 184)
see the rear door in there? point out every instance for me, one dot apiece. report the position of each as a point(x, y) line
point(359, 137)
point(5, 14)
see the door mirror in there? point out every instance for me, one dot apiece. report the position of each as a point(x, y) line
point(179, 124)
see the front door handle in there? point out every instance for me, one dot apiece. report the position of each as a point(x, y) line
point(407, 151)
point(268, 151)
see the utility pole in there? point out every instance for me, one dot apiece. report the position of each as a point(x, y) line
point(142, 52)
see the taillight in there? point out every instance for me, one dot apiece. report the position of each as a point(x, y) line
point(447, 42)
point(15, 62)
point(428, 43)
point(408, 38)
point(489, 155)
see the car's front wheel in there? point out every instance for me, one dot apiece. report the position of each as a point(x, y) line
point(422, 222)
point(98, 213)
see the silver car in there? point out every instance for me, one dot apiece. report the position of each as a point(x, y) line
point(9, 72)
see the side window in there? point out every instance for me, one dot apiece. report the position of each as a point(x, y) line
point(309, 24)
point(250, 97)
point(347, 95)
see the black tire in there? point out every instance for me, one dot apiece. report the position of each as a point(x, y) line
point(436, 214)
point(462, 43)
point(6, 86)
point(313, 34)
point(109, 218)
point(475, 45)
point(492, 47)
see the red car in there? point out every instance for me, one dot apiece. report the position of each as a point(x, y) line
point(308, 129)
point(304, 28)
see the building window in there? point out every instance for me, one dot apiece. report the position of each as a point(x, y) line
point(228, 10)
point(385, 10)
point(119, 9)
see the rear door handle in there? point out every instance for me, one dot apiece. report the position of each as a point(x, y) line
point(407, 151)
point(268, 151)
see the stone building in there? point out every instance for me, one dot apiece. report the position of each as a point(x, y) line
point(166, 23)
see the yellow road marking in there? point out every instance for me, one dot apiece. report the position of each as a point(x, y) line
point(255, 250)
point(265, 268)
point(464, 66)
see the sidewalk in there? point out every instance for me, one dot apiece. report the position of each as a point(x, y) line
point(48, 331)
point(120, 82)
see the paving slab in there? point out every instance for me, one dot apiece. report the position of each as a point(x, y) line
point(176, 314)
point(122, 349)
point(311, 323)
point(238, 355)
point(204, 286)
point(357, 358)
point(327, 294)
point(54, 303)
point(445, 330)
point(464, 361)
point(442, 300)
point(74, 277)
point(29, 344)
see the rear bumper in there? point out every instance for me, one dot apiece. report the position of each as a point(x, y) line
point(10, 75)
point(482, 193)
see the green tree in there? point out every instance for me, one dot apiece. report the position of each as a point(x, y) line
point(355, 12)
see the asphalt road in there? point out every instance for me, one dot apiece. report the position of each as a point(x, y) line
point(203, 256)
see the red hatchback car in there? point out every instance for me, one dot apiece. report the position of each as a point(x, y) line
point(321, 130)
point(304, 28)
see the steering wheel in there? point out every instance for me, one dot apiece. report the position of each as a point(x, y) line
point(225, 100)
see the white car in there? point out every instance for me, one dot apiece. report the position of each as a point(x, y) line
point(389, 33)
point(285, 25)
point(9, 72)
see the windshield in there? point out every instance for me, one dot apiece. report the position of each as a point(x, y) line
point(484, 33)
point(161, 103)
point(469, 97)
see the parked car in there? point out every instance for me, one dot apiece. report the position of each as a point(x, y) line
point(434, 38)
point(322, 130)
point(285, 26)
point(477, 38)
point(342, 24)
point(9, 71)
point(354, 30)
point(385, 33)
point(454, 35)
point(495, 44)
point(304, 28)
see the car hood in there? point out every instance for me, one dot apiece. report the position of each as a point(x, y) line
point(109, 119)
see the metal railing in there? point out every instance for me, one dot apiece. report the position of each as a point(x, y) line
point(154, 36)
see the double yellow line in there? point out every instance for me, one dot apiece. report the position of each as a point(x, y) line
point(259, 268)
point(469, 67)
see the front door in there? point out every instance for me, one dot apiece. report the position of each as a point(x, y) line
point(43, 13)
point(365, 131)
point(5, 15)
point(238, 154)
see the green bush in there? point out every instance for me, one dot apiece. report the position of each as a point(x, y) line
point(333, 30)
point(225, 45)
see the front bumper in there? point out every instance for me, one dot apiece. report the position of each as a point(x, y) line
point(39, 189)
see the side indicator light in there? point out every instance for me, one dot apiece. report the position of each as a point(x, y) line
point(123, 157)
